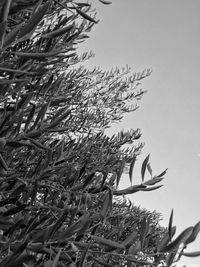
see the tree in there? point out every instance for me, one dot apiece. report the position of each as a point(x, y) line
point(60, 202)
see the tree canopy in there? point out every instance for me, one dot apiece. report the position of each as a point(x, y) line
point(60, 204)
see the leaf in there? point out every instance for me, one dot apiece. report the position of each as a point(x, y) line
point(131, 238)
point(57, 225)
point(85, 224)
point(37, 144)
point(3, 19)
point(30, 117)
point(153, 181)
point(144, 165)
point(191, 254)
point(105, 2)
point(150, 188)
point(170, 225)
point(15, 210)
point(107, 204)
point(107, 242)
point(129, 190)
point(2, 32)
point(34, 20)
point(70, 231)
point(3, 163)
point(85, 16)
point(41, 115)
point(55, 122)
point(37, 248)
point(112, 179)
point(144, 229)
point(40, 55)
point(11, 36)
point(170, 258)
point(131, 168)
point(24, 101)
point(15, 71)
point(149, 169)
point(121, 169)
point(10, 200)
point(83, 256)
point(194, 234)
point(59, 32)
point(55, 261)
point(162, 174)
point(180, 239)
point(135, 248)
point(5, 10)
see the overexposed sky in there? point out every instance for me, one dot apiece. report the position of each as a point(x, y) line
point(164, 36)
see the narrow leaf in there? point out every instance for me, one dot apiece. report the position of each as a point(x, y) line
point(191, 254)
point(131, 238)
point(55, 261)
point(144, 165)
point(170, 224)
point(24, 101)
point(107, 242)
point(162, 174)
point(107, 204)
point(143, 231)
point(119, 173)
point(58, 32)
point(150, 188)
point(82, 259)
point(30, 117)
point(149, 169)
point(153, 181)
point(129, 190)
point(15, 210)
point(105, 2)
point(135, 248)
point(3, 163)
point(131, 168)
point(11, 36)
point(85, 16)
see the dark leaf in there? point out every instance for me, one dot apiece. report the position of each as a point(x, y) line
point(191, 254)
point(14, 210)
point(107, 242)
point(131, 168)
point(144, 165)
point(119, 173)
point(83, 256)
point(162, 174)
point(170, 225)
point(105, 2)
point(85, 16)
point(107, 204)
point(58, 32)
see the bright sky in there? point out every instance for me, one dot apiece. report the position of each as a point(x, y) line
point(164, 36)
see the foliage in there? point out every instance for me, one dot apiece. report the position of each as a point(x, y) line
point(59, 173)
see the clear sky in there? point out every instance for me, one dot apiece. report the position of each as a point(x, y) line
point(164, 36)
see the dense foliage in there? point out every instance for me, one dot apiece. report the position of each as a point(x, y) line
point(59, 173)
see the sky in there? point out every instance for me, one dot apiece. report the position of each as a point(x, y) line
point(165, 37)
